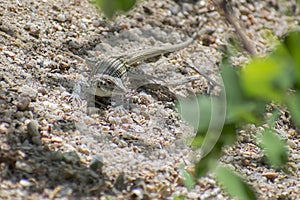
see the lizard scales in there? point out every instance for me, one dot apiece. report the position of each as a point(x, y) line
point(105, 78)
point(118, 66)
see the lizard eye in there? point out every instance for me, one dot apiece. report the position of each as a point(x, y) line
point(108, 82)
point(100, 83)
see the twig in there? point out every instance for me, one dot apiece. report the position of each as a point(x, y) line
point(224, 8)
point(192, 66)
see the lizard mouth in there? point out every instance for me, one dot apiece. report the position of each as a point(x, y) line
point(107, 86)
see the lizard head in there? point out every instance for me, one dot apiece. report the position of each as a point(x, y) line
point(103, 85)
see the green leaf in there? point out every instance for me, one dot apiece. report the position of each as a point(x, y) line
point(234, 185)
point(275, 149)
point(293, 103)
point(267, 79)
point(244, 112)
point(111, 7)
point(231, 79)
point(179, 197)
point(292, 42)
point(272, 119)
point(240, 108)
point(188, 179)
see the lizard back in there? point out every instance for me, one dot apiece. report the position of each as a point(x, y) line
point(118, 66)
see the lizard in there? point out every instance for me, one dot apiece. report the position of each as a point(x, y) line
point(105, 77)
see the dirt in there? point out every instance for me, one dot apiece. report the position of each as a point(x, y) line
point(51, 148)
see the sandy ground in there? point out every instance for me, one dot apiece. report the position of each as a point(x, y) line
point(50, 148)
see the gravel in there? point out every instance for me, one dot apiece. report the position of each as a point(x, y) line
point(50, 148)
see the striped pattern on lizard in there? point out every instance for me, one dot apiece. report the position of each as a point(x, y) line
point(105, 77)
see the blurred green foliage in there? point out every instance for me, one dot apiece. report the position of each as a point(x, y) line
point(111, 7)
point(277, 155)
point(235, 184)
point(276, 77)
point(188, 178)
point(273, 78)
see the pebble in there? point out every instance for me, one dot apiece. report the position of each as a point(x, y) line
point(61, 17)
point(4, 128)
point(83, 150)
point(9, 54)
point(23, 103)
point(35, 31)
point(270, 175)
point(33, 131)
point(96, 23)
point(137, 194)
point(56, 139)
point(42, 90)
point(57, 27)
point(83, 26)
point(105, 128)
point(25, 183)
point(33, 128)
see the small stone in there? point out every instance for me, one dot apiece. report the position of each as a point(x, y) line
point(25, 183)
point(67, 107)
point(83, 150)
point(96, 23)
point(57, 27)
point(137, 194)
point(82, 26)
point(33, 128)
point(9, 54)
point(139, 17)
point(125, 119)
point(61, 18)
point(56, 139)
point(23, 103)
point(207, 40)
point(105, 128)
point(50, 105)
point(270, 175)
point(4, 128)
point(42, 90)
point(56, 7)
point(122, 144)
point(56, 156)
point(35, 31)
point(33, 131)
